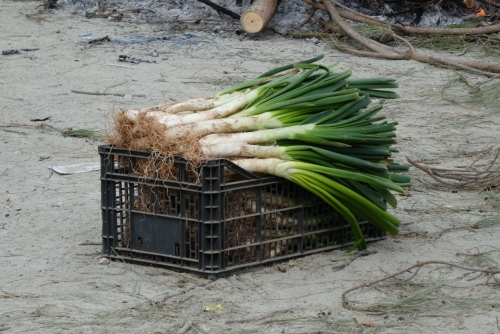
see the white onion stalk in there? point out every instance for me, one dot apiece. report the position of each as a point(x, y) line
point(242, 149)
point(324, 134)
point(323, 158)
point(305, 153)
point(256, 137)
point(203, 103)
point(233, 106)
point(268, 156)
point(225, 125)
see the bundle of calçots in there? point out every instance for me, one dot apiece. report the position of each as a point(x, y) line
point(307, 123)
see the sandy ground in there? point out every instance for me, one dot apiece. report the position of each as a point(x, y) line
point(50, 284)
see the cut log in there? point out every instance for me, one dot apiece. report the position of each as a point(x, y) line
point(255, 18)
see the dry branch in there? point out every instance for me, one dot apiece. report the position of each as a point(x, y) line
point(384, 51)
point(465, 68)
point(464, 178)
point(418, 266)
point(368, 43)
point(355, 16)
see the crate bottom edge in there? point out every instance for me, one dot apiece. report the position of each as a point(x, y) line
point(227, 270)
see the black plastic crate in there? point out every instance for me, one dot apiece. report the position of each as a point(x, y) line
point(217, 220)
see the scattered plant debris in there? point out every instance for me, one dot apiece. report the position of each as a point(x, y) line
point(129, 59)
point(14, 51)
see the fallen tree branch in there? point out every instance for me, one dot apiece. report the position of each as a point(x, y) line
point(387, 51)
point(368, 43)
point(365, 53)
point(361, 18)
point(418, 266)
point(465, 68)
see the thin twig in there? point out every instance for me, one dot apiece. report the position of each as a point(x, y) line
point(112, 94)
point(90, 243)
point(328, 26)
point(138, 10)
point(347, 262)
point(405, 41)
point(121, 66)
point(345, 303)
point(474, 226)
point(221, 9)
point(272, 314)
point(311, 14)
point(14, 131)
point(465, 178)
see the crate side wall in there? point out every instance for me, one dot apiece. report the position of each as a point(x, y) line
point(217, 225)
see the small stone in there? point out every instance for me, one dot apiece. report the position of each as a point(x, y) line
point(59, 204)
point(104, 261)
point(154, 53)
point(127, 97)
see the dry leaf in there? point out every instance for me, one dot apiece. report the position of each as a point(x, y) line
point(217, 307)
